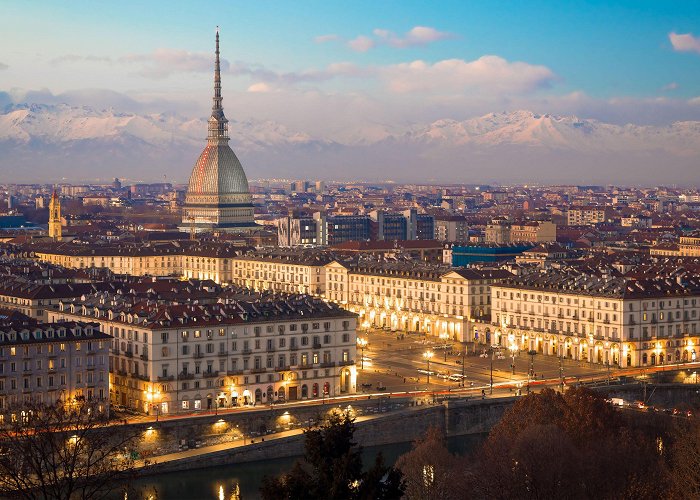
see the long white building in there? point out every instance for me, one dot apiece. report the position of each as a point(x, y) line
point(611, 321)
point(258, 348)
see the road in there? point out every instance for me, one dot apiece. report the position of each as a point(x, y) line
point(399, 365)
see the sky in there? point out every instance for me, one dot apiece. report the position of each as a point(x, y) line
point(339, 68)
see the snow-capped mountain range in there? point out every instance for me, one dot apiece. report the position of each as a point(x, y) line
point(57, 141)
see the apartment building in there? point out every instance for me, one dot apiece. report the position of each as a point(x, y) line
point(49, 362)
point(504, 232)
point(689, 245)
point(410, 296)
point(282, 271)
point(588, 215)
point(263, 348)
point(451, 228)
point(35, 300)
point(612, 321)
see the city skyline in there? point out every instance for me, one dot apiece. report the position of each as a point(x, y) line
point(355, 91)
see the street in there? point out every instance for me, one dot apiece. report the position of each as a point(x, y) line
point(401, 364)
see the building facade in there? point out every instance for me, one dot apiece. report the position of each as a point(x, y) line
point(178, 358)
point(46, 363)
point(609, 321)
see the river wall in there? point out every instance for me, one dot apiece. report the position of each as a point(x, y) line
point(389, 421)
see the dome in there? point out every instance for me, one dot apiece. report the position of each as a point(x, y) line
point(217, 172)
point(217, 194)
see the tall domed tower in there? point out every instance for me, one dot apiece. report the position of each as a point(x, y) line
point(217, 197)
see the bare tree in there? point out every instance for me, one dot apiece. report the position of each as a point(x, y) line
point(63, 451)
point(431, 471)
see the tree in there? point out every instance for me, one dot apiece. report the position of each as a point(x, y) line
point(685, 462)
point(332, 468)
point(62, 451)
point(572, 445)
point(430, 470)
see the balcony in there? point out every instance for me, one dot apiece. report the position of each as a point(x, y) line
point(329, 364)
point(282, 368)
point(271, 349)
point(185, 376)
point(166, 378)
point(346, 363)
point(222, 353)
point(317, 345)
point(145, 378)
point(246, 352)
point(208, 374)
point(294, 347)
point(121, 373)
point(257, 370)
point(129, 354)
point(144, 357)
point(115, 351)
point(197, 354)
point(234, 372)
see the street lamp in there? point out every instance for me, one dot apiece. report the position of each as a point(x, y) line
point(531, 373)
point(152, 396)
point(492, 353)
point(362, 343)
point(513, 349)
point(428, 355)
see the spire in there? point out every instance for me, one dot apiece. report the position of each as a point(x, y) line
point(218, 124)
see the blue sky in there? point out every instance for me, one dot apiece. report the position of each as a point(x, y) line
point(599, 59)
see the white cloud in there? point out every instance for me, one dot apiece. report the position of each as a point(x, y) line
point(260, 87)
point(164, 62)
point(670, 86)
point(416, 36)
point(490, 74)
point(326, 38)
point(684, 42)
point(419, 35)
point(362, 43)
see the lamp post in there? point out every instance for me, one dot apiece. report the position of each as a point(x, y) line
point(513, 349)
point(532, 354)
point(362, 343)
point(491, 386)
point(427, 355)
point(152, 395)
point(561, 370)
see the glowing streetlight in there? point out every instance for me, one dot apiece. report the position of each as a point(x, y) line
point(153, 397)
point(362, 343)
point(428, 355)
point(513, 347)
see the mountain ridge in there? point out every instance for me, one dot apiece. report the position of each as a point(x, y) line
point(56, 136)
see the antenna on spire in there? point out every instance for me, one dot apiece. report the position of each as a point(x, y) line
point(218, 129)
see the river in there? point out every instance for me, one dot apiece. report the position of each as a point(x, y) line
point(221, 482)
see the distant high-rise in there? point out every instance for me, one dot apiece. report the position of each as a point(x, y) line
point(218, 198)
point(55, 229)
